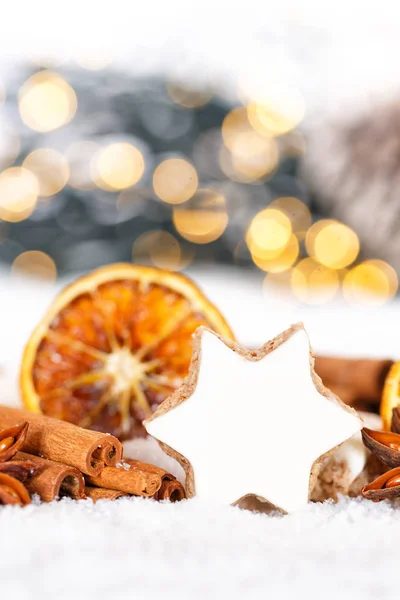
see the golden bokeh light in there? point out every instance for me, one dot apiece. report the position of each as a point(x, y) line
point(333, 244)
point(46, 102)
point(35, 264)
point(186, 97)
point(204, 219)
point(117, 166)
point(276, 113)
point(50, 168)
point(79, 156)
point(314, 283)
point(280, 262)
point(175, 180)
point(371, 283)
point(161, 249)
point(235, 124)
point(298, 213)
point(268, 234)
point(253, 157)
point(19, 190)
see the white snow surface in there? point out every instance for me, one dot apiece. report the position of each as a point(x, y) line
point(135, 548)
point(139, 549)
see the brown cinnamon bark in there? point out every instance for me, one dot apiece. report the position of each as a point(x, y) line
point(88, 451)
point(52, 480)
point(13, 491)
point(171, 490)
point(355, 381)
point(20, 469)
point(133, 477)
point(136, 482)
point(96, 493)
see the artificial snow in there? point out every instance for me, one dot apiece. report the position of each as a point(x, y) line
point(123, 465)
point(138, 549)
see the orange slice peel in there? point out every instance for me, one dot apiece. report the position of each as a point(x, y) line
point(113, 345)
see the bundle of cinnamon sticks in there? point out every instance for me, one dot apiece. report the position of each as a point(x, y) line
point(52, 458)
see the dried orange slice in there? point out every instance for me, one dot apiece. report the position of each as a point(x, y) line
point(390, 395)
point(113, 346)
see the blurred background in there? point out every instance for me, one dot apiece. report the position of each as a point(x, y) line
point(254, 141)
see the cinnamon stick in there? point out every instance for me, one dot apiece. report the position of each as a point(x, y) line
point(86, 450)
point(52, 480)
point(96, 493)
point(133, 477)
point(130, 481)
point(172, 490)
point(20, 469)
point(13, 491)
point(355, 381)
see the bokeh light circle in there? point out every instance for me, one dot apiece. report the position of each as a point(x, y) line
point(19, 190)
point(269, 233)
point(313, 283)
point(235, 124)
point(50, 168)
point(204, 219)
point(46, 102)
point(371, 283)
point(117, 166)
point(277, 113)
point(333, 244)
point(279, 262)
point(253, 157)
point(175, 180)
point(298, 213)
point(160, 248)
point(35, 264)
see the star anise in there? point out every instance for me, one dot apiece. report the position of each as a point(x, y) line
point(386, 446)
point(14, 472)
point(13, 491)
point(11, 440)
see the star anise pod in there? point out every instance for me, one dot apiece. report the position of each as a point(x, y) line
point(14, 472)
point(386, 446)
point(13, 491)
point(386, 486)
point(11, 440)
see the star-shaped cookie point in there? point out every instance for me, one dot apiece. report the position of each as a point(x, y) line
point(252, 422)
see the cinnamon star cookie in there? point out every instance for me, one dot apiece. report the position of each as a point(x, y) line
point(252, 422)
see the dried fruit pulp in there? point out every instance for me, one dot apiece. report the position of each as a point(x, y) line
point(117, 349)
